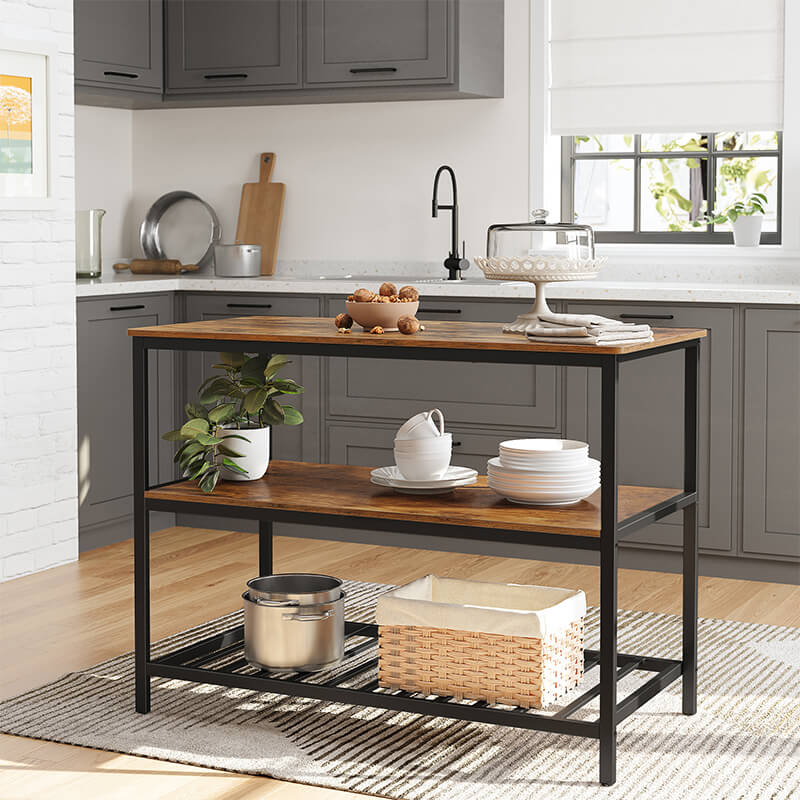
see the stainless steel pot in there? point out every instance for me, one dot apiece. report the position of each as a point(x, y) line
point(299, 588)
point(285, 636)
point(237, 260)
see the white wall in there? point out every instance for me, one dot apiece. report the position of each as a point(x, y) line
point(359, 176)
point(38, 472)
point(104, 173)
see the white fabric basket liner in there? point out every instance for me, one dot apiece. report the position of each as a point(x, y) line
point(508, 609)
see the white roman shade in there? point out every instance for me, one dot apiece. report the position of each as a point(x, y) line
point(639, 66)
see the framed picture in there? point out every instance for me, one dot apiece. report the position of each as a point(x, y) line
point(26, 125)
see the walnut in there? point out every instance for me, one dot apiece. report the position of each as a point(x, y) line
point(409, 293)
point(381, 298)
point(377, 329)
point(387, 289)
point(394, 299)
point(408, 325)
point(363, 295)
point(351, 298)
point(343, 321)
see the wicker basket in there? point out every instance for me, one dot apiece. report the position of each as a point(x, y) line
point(467, 639)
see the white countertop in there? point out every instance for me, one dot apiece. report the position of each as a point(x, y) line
point(683, 291)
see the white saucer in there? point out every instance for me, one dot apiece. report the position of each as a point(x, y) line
point(392, 478)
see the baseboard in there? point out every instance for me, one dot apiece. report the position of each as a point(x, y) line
point(90, 537)
point(741, 568)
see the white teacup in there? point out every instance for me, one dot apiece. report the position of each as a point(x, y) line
point(434, 444)
point(427, 467)
point(422, 426)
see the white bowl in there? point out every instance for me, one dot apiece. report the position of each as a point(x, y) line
point(428, 467)
point(543, 497)
point(566, 486)
point(422, 446)
point(591, 466)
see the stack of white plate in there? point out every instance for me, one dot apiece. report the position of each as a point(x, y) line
point(544, 472)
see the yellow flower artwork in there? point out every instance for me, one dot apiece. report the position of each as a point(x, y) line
point(16, 128)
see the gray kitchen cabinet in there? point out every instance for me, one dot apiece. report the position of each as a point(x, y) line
point(119, 45)
point(651, 418)
point(771, 435)
point(105, 410)
point(361, 41)
point(218, 46)
point(505, 395)
point(294, 443)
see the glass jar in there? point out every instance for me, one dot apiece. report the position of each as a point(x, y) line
point(88, 243)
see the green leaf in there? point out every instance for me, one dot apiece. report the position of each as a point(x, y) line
point(674, 227)
point(193, 427)
point(291, 416)
point(217, 389)
point(236, 436)
point(254, 400)
point(288, 386)
point(226, 451)
point(201, 470)
point(234, 466)
point(222, 414)
point(254, 367)
point(195, 411)
point(173, 436)
point(190, 449)
point(209, 480)
point(207, 440)
point(274, 365)
point(684, 203)
point(235, 360)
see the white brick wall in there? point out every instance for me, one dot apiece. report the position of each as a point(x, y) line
point(38, 438)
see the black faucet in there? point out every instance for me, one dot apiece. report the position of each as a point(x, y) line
point(454, 264)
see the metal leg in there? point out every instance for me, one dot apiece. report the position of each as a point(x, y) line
point(608, 573)
point(265, 547)
point(141, 527)
point(690, 555)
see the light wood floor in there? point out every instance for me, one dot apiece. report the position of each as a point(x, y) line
point(73, 616)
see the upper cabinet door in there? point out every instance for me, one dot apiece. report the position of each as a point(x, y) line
point(368, 42)
point(119, 43)
point(226, 45)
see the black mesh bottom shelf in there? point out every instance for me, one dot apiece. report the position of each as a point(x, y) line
point(219, 659)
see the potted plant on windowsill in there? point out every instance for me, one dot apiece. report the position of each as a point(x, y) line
point(227, 434)
point(745, 217)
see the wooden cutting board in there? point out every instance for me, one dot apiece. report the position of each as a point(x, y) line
point(260, 213)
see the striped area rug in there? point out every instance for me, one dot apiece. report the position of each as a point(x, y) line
point(743, 743)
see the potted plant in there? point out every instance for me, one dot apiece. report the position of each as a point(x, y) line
point(227, 434)
point(745, 217)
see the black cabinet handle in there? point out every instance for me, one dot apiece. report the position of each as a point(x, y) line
point(365, 70)
point(112, 74)
point(456, 444)
point(646, 316)
point(124, 308)
point(439, 311)
point(240, 76)
point(249, 305)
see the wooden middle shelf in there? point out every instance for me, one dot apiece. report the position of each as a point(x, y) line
point(346, 491)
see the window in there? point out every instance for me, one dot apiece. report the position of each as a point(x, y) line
point(656, 187)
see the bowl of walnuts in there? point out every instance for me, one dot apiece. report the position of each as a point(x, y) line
point(384, 308)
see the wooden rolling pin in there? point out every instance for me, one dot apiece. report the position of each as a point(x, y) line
point(163, 266)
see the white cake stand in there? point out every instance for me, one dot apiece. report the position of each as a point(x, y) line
point(539, 271)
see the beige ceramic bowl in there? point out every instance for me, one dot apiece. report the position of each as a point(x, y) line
point(368, 315)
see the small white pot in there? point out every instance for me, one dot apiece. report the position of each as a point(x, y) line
point(255, 453)
point(747, 230)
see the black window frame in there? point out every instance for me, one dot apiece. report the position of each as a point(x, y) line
point(712, 156)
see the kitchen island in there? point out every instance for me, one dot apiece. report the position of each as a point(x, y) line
point(298, 492)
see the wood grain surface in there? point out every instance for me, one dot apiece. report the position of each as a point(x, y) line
point(453, 335)
point(347, 491)
point(260, 214)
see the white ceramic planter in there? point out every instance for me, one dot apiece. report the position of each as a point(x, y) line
point(255, 453)
point(747, 230)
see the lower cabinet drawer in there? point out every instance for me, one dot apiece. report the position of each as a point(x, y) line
point(526, 398)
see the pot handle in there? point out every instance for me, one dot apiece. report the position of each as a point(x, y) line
point(308, 617)
point(260, 601)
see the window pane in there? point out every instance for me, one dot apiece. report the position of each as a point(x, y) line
point(673, 193)
point(738, 178)
point(747, 140)
point(667, 142)
point(604, 193)
point(612, 143)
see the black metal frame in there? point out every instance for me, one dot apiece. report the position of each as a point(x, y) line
point(218, 659)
